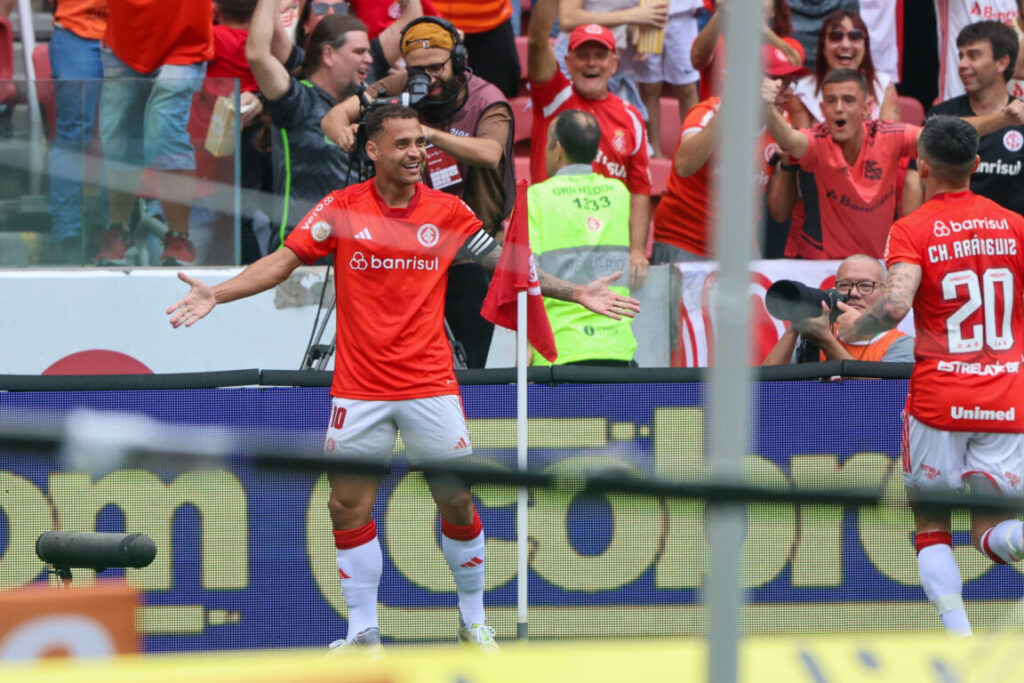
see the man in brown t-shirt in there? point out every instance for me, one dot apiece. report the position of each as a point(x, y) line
point(468, 126)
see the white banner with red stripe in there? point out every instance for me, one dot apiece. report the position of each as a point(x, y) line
point(693, 346)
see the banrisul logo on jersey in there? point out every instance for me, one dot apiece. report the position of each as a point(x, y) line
point(361, 261)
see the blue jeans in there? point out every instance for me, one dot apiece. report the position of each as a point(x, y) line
point(77, 69)
point(517, 18)
point(144, 117)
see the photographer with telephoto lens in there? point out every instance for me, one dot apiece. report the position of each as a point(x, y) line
point(813, 338)
point(468, 126)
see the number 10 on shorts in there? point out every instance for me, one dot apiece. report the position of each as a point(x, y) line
point(337, 417)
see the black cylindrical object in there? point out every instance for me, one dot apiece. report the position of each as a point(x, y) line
point(792, 300)
point(95, 550)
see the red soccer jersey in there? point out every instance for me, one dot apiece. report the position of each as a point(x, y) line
point(622, 152)
point(391, 271)
point(967, 312)
point(378, 15)
point(229, 60)
point(681, 218)
point(856, 204)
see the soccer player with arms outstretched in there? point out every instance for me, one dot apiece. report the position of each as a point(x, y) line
point(958, 260)
point(393, 239)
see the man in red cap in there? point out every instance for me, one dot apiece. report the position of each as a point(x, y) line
point(622, 151)
point(681, 221)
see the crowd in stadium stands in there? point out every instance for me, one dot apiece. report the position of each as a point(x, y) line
point(492, 74)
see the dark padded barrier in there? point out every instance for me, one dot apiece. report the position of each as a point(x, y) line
point(184, 380)
point(557, 374)
point(820, 371)
point(296, 378)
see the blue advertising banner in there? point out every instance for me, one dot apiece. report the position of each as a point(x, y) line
point(246, 556)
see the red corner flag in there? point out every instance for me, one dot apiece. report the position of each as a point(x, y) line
point(516, 272)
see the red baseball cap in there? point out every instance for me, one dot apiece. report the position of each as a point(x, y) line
point(591, 33)
point(776, 64)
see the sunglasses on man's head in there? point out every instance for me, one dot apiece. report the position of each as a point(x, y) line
point(321, 8)
point(836, 35)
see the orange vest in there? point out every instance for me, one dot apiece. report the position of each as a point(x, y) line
point(475, 16)
point(875, 351)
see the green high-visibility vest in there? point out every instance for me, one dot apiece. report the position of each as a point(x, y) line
point(579, 231)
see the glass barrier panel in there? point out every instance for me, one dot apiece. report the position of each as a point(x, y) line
point(105, 170)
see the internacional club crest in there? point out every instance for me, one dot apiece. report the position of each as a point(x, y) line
point(428, 234)
point(1013, 140)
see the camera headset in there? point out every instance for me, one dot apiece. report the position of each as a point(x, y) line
point(459, 55)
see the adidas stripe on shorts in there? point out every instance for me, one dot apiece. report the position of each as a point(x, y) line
point(432, 428)
point(939, 459)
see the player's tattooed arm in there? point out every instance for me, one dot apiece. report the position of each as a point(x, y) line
point(550, 286)
point(894, 304)
point(557, 288)
point(595, 296)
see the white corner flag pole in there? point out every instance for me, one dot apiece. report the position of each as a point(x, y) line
point(522, 539)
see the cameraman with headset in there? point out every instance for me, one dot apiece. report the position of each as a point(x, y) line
point(860, 279)
point(468, 126)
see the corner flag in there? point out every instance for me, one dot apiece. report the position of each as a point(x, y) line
point(516, 272)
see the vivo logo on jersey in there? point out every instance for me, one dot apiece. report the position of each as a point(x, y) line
point(999, 167)
point(360, 262)
point(942, 229)
point(977, 413)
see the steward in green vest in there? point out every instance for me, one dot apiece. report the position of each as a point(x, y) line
point(579, 231)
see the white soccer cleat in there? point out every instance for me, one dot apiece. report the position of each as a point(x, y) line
point(366, 642)
point(479, 636)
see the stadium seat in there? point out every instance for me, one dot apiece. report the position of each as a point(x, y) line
point(522, 115)
point(44, 88)
point(671, 125)
point(521, 49)
point(660, 170)
point(911, 110)
point(522, 168)
point(8, 90)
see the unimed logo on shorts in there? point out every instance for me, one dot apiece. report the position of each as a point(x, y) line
point(977, 413)
point(361, 261)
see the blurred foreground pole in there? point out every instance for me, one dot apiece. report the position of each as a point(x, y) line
point(35, 116)
point(730, 387)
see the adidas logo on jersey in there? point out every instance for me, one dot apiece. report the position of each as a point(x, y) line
point(462, 444)
point(364, 234)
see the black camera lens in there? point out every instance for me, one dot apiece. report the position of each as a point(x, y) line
point(791, 300)
point(418, 85)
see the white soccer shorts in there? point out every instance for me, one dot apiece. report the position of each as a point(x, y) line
point(432, 428)
point(939, 459)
